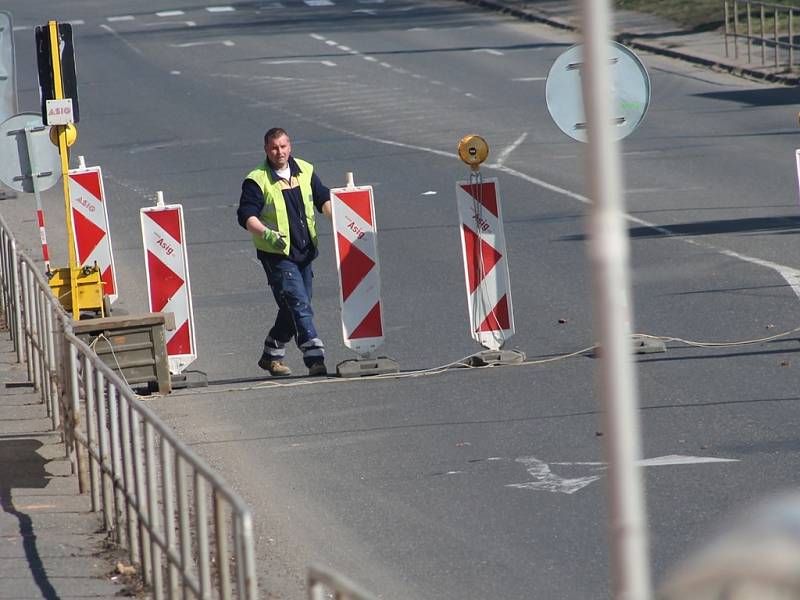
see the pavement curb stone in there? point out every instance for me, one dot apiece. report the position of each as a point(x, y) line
point(713, 57)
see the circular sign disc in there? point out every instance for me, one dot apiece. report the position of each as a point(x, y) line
point(630, 90)
point(15, 155)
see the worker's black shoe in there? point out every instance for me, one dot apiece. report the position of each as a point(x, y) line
point(318, 369)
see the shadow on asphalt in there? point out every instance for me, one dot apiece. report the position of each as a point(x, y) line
point(21, 466)
point(752, 225)
point(774, 96)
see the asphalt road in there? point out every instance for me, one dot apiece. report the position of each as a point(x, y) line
point(408, 485)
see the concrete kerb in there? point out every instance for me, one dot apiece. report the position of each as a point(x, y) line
point(633, 40)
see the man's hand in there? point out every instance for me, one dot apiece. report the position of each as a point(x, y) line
point(275, 237)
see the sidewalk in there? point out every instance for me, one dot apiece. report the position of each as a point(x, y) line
point(51, 544)
point(652, 34)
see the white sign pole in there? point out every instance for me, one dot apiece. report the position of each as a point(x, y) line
point(609, 252)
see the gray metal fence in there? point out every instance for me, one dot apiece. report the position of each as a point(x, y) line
point(762, 32)
point(189, 532)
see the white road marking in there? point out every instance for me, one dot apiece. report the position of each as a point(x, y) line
point(545, 479)
point(318, 2)
point(206, 43)
point(489, 51)
point(161, 23)
point(529, 79)
point(121, 39)
point(507, 152)
point(77, 22)
point(366, 11)
point(429, 193)
point(170, 13)
point(370, 58)
point(327, 63)
point(174, 72)
point(120, 18)
point(317, 36)
point(220, 9)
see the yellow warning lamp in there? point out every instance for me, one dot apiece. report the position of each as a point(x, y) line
point(473, 150)
point(71, 130)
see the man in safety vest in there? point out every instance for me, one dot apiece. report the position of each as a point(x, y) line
point(277, 206)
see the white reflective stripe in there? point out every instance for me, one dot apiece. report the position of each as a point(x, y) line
point(270, 343)
point(313, 352)
point(312, 343)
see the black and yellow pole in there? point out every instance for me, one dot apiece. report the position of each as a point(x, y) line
point(63, 150)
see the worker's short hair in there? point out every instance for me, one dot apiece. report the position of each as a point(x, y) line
point(273, 133)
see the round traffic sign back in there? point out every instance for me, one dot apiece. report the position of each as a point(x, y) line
point(16, 156)
point(630, 91)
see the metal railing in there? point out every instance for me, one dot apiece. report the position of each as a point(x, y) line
point(189, 532)
point(768, 27)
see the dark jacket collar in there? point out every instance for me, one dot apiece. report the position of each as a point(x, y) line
point(293, 166)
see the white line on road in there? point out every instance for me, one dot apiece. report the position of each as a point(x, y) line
point(318, 2)
point(205, 43)
point(121, 39)
point(170, 13)
point(327, 63)
point(507, 152)
point(220, 9)
point(489, 51)
point(529, 79)
point(120, 18)
point(162, 23)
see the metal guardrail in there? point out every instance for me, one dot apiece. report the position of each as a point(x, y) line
point(191, 535)
point(769, 27)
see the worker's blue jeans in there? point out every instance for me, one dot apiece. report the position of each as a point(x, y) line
point(292, 286)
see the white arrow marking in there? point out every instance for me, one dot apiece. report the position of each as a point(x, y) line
point(327, 63)
point(207, 43)
point(546, 480)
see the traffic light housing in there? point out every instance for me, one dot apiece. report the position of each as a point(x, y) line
point(44, 57)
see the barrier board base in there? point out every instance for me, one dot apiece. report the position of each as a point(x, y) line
point(646, 345)
point(188, 379)
point(364, 367)
point(641, 345)
point(495, 357)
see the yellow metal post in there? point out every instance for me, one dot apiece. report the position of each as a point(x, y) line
point(58, 87)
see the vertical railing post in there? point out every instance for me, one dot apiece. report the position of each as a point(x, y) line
point(776, 17)
point(129, 483)
point(152, 500)
point(791, 41)
point(168, 487)
point(91, 441)
point(749, 34)
point(727, 29)
point(107, 490)
point(201, 526)
point(140, 474)
point(736, 29)
point(763, 37)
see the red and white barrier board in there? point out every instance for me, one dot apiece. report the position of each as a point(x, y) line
point(168, 288)
point(483, 245)
point(90, 225)
point(359, 271)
